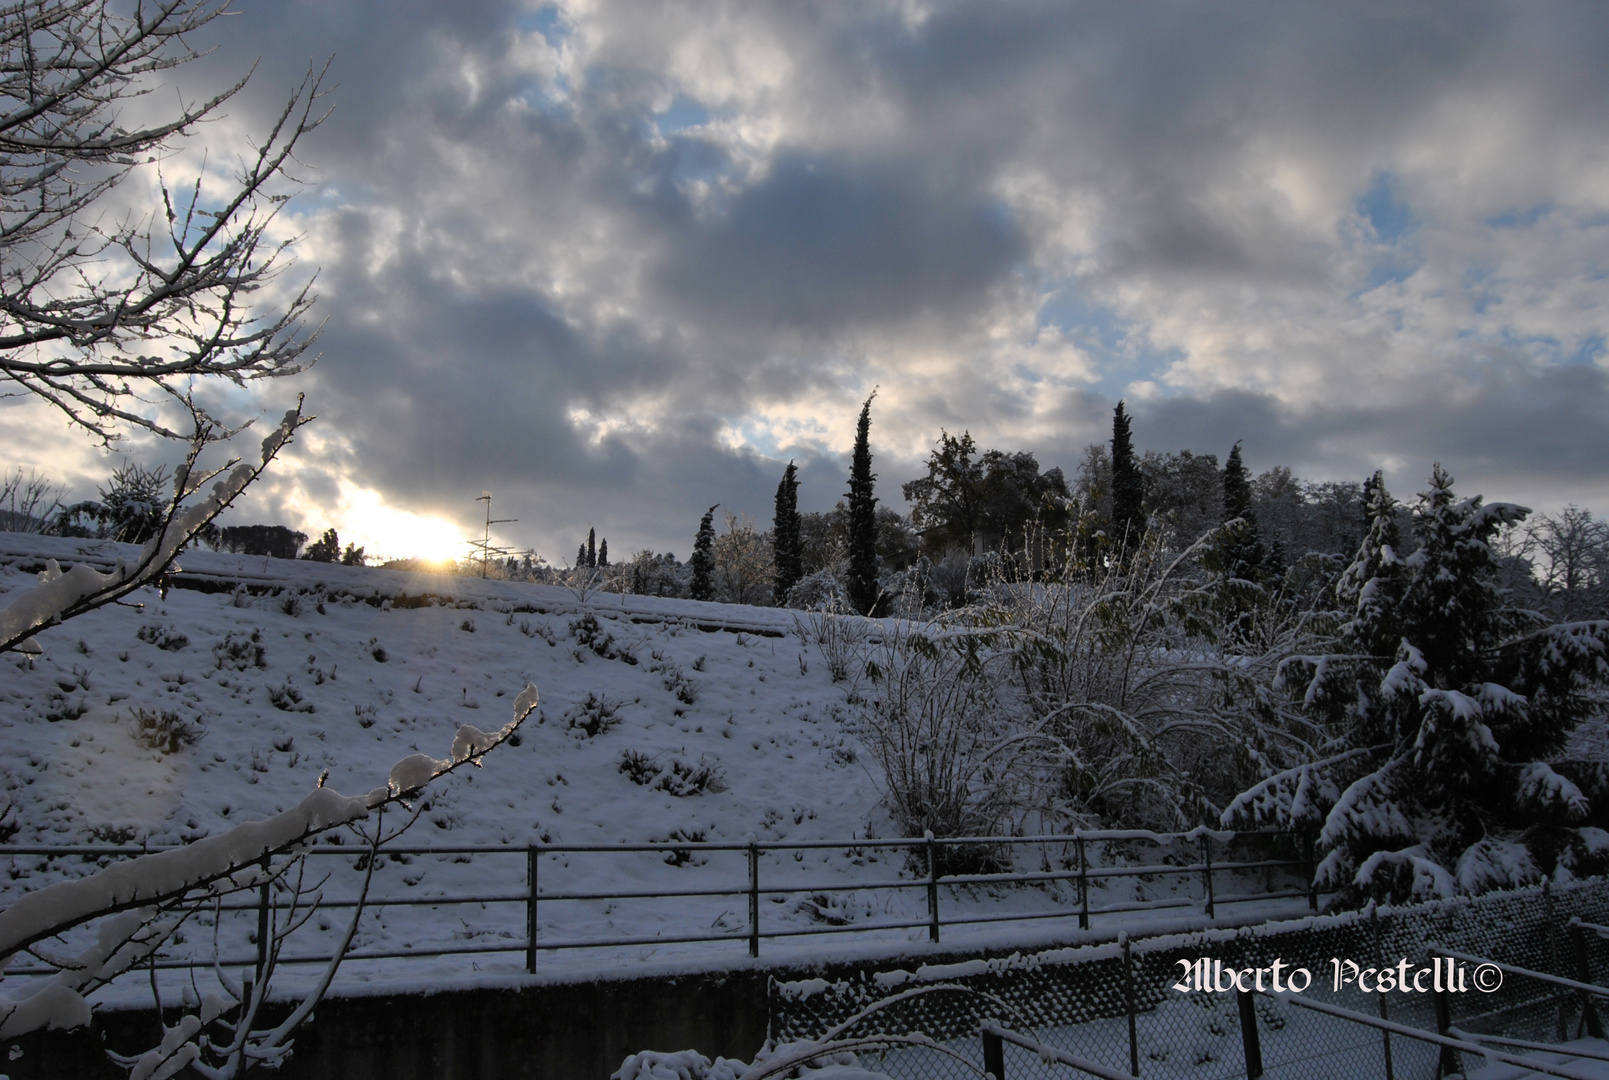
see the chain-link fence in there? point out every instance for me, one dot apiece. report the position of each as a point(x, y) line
point(1119, 1006)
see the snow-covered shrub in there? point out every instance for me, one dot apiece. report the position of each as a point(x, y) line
point(287, 697)
point(1443, 712)
point(819, 591)
point(592, 717)
point(163, 730)
point(167, 638)
point(840, 638)
point(589, 633)
point(672, 774)
point(934, 716)
point(239, 651)
point(683, 856)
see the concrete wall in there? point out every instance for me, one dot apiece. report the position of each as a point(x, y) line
point(571, 1032)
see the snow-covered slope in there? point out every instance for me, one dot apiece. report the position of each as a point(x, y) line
point(660, 720)
point(279, 686)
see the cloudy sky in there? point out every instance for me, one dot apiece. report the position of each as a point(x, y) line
point(617, 262)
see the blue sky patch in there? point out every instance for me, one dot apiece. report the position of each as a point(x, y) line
point(1384, 209)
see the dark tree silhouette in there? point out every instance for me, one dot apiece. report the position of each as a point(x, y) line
point(863, 591)
point(1128, 486)
point(703, 561)
point(786, 537)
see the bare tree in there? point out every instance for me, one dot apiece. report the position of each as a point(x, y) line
point(28, 503)
point(743, 566)
point(98, 310)
point(1569, 553)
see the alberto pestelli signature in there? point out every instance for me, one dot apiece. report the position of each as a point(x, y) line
point(1442, 976)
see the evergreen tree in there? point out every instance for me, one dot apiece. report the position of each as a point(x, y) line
point(786, 537)
point(326, 549)
point(703, 561)
point(1128, 486)
point(1447, 710)
point(603, 552)
point(581, 557)
point(592, 549)
point(863, 590)
point(1245, 557)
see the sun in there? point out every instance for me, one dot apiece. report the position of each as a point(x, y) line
point(401, 534)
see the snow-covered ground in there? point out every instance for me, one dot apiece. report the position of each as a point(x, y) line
point(660, 720)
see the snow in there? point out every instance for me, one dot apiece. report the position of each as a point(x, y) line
point(286, 670)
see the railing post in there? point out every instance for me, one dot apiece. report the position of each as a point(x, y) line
point(533, 855)
point(754, 898)
point(263, 900)
point(1083, 884)
point(1583, 973)
point(1560, 1024)
point(1129, 1004)
point(994, 1054)
point(932, 887)
point(1447, 1061)
point(1249, 1041)
point(1206, 873)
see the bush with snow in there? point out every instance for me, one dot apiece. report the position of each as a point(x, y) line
point(1443, 712)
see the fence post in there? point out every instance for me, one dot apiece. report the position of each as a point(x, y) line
point(1083, 885)
point(263, 900)
point(533, 855)
point(1385, 1011)
point(1560, 1024)
point(1248, 1035)
point(932, 887)
point(1206, 856)
point(994, 1055)
point(1312, 872)
point(1447, 1060)
point(1589, 1013)
point(754, 898)
point(1129, 1004)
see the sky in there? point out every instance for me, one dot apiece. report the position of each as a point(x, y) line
point(618, 262)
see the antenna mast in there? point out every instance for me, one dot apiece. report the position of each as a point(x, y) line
point(484, 544)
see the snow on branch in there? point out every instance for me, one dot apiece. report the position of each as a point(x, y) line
point(142, 887)
point(63, 594)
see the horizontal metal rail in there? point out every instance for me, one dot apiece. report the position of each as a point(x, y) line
point(1051, 1053)
point(1076, 875)
point(1446, 1041)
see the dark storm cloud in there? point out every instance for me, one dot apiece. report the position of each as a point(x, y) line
point(540, 280)
point(1521, 430)
point(827, 243)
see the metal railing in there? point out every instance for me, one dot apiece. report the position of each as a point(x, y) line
point(927, 857)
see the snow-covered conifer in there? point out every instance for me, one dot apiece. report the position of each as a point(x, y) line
point(703, 560)
point(1446, 710)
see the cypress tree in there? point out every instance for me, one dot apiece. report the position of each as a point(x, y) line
point(863, 591)
point(603, 552)
point(581, 557)
point(1246, 556)
point(1128, 486)
point(592, 548)
point(786, 540)
point(703, 561)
